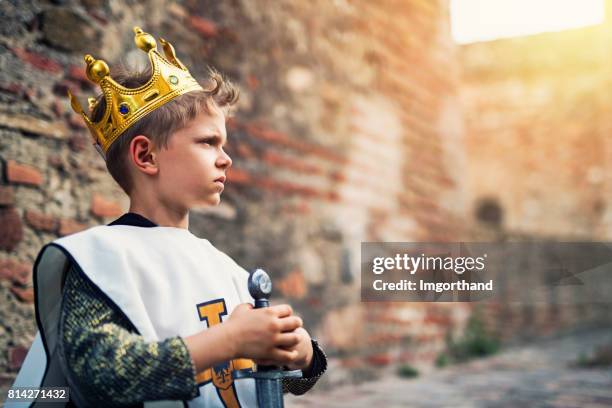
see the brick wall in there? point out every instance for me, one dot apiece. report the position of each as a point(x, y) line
point(349, 129)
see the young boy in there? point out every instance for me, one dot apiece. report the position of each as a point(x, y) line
point(143, 310)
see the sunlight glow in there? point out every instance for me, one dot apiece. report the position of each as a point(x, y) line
point(483, 20)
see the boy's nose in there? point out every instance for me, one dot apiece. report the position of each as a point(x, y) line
point(224, 160)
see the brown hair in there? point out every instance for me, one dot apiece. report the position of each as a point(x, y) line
point(161, 123)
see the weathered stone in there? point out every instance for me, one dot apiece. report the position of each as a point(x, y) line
point(223, 210)
point(60, 25)
point(94, 4)
point(299, 79)
point(177, 11)
point(32, 125)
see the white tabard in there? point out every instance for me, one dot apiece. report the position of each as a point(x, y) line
point(167, 281)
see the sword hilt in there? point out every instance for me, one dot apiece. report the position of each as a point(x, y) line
point(268, 379)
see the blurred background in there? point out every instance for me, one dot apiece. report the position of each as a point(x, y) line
point(413, 120)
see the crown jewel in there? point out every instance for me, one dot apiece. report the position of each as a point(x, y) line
point(125, 106)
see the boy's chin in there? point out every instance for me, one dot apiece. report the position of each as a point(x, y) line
point(211, 201)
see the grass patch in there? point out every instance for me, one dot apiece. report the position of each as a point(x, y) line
point(600, 357)
point(407, 371)
point(476, 342)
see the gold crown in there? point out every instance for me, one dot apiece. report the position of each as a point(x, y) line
point(125, 106)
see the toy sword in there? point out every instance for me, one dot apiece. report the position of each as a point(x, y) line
point(268, 379)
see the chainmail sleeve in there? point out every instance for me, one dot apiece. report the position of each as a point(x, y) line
point(108, 362)
point(318, 366)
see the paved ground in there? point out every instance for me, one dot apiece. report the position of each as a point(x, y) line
point(539, 375)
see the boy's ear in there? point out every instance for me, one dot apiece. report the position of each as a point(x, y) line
point(143, 154)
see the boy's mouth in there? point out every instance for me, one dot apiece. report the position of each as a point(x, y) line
point(221, 179)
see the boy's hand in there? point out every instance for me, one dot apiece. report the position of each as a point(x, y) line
point(265, 334)
point(304, 352)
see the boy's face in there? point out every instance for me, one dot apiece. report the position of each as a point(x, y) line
point(192, 168)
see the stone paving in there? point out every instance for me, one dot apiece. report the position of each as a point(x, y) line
point(538, 375)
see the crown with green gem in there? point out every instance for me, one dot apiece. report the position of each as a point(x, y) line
point(125, 106)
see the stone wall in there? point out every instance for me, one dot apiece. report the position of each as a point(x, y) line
point(348, 130)
point(537, 135)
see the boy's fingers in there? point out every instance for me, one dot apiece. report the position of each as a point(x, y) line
point(290, 323)
point(282, 310)
point(283, 357)
point(287, 340)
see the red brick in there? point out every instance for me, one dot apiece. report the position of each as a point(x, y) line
point(12, 229)
point(26, 295)
point(56, 162)
point(238, 176)
point(78, 143)
point(37, 60)
point(58, 107)
point(437, 319)
point(98, 16)
point(229, 34)
point(279, 160)
point(7, 197)
point(203, 26)
point(17, 173)
point(314, 301)
point(76, 122)
point(77, 73)
point(19, 90)
point(252, 81)
point(244, 150)
point(232, 124)
point(338, 176)
point(68, 226)
point(16, 356)
point(65, 85)
point(332, 196)
point(382, 359)
point(297, 208)
point(351, 362)
point(286, 188)
point(41, 222)
point(101, 207)
point(266, 134)
point(15, 272)
point(293, 285)
point(12, 88)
